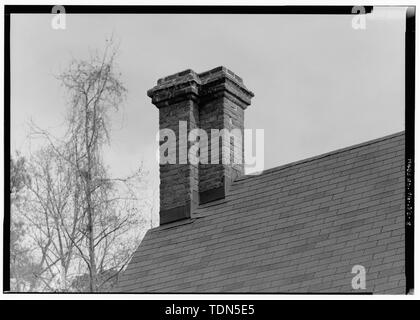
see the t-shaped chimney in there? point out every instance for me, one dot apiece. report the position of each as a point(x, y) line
point(211, 101)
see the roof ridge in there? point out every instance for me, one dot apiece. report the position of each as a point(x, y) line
point(320, 156)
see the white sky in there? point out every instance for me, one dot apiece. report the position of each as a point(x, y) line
point(319, 84)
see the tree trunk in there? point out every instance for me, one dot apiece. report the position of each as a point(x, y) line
point(91, 238)
point(91, 244)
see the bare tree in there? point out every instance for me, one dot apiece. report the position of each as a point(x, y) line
point(54, 217)
point(85, 219)
point(21, 263)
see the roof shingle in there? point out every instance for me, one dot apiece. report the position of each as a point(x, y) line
point(295, 228)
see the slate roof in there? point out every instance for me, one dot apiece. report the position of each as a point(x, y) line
point(296, 228)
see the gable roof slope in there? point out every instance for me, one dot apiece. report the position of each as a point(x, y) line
point(296, 228)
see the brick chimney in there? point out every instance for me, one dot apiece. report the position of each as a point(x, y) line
point(212, 100)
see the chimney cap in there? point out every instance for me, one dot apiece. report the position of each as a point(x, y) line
point(178, 77)
point(220, 72)
point(190, 82)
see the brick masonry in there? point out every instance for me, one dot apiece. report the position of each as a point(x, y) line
point(297, 228)
point(215, 99)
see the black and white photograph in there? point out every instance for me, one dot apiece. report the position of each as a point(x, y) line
point(240, 150)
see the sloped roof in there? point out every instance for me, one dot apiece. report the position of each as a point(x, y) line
point(295, 228)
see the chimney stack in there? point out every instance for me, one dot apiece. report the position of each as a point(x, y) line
point(211, 101)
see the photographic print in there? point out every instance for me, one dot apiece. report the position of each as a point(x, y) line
point(209, 150)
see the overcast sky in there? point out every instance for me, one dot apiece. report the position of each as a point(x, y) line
point(319, 84)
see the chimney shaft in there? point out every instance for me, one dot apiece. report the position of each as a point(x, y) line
point(212, 100)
